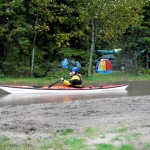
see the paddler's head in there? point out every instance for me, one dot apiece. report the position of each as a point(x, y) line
point(74, 71)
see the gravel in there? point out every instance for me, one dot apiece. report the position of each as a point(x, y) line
point(42, 120)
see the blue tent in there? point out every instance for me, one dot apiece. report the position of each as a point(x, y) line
point(69, 64)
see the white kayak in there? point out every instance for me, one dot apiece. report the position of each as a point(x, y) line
point(63, 90)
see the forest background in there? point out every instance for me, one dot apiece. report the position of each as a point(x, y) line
point(35, 35)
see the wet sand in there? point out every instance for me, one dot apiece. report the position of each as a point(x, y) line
point(41, 120)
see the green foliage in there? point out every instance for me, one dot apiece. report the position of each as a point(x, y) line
point(39, 72)
point(56, 145)
point(126, 147)
point(64, 141)
point(69, 53)
point(46, 144)
point(83, 71)
point(57, 73)
point(117, 138)
point(122, 130)
point(67, 131)
point(145, 71)
point(132, 137)
point(15, 71)
point(63, 29)
point(75, 143)
point(111, 147)
point(90, 132)
point(21, 71)
point(6, 143)
point(137, 37)
point(26, 147)
point(105, 147)
point(95, 78)
point(146, 146)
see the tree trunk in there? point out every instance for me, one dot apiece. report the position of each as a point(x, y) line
point(147, 61)
point(33, 49)
point(92, 49)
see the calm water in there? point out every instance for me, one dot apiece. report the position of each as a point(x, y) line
point(135, 89)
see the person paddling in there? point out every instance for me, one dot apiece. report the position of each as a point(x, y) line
point(75, 81)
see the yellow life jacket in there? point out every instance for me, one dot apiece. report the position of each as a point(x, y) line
point(75, 81)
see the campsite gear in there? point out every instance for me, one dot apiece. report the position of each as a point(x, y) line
point(67, 63)
point(104, 67)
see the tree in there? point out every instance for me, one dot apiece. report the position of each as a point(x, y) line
point(145, 40)
point(136, 40)
point(53, 29)
point(110, 19)
point(5, 14)
point(15, 32)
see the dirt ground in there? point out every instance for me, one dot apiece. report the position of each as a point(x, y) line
point(39, 120)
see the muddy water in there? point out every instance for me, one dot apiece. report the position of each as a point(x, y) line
point(139, 88)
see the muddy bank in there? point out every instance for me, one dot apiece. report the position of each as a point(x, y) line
point(42, 120)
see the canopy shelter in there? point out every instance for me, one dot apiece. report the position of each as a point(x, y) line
point(106, 52)
point(103, 67)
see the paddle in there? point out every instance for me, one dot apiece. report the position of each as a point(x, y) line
point(48, 85)
point(55, 82)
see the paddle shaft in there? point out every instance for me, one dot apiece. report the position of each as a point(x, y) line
point(53, 83)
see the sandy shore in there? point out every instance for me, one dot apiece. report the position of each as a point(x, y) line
point(41, 120)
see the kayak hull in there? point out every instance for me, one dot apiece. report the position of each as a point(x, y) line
point(63, 90)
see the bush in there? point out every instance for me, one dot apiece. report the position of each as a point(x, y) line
point(7, 69)
point(22, 71)
point(57, 73)
point(15, 71)
point(39, 72)
point(145, 71)
point(83, 71)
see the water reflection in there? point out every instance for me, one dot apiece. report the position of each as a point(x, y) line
point(134, 89)
point(26, 99)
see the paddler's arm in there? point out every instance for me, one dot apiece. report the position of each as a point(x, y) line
point(65, 82)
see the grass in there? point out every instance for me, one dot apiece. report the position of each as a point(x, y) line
point(117, 138)
point(111, 147)
point(47, 144)
point(95, 78)
point(123, 130)
point(132, 137)
point(68, 141)
point(6, 143)
point(90, 132)
point(67, 132)
point(75, 143)
point(146, 146)
point(126, 147)
point(105, 147)
point(120, 130)
point(116, 76)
